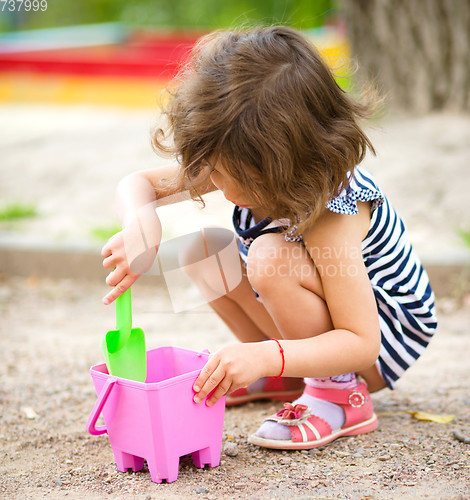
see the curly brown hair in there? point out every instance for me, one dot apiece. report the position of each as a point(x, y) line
point(264, 103)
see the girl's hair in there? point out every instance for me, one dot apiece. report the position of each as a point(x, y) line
point(263, 103)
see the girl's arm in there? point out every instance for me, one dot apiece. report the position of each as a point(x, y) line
point(353, 345)
point(132, 251)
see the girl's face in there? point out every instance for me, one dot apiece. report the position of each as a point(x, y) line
point(229, 187)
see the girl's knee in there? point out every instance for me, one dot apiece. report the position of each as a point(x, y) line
point(190, 250)
point(210, 256)
point(271, 258)
point(265, 259)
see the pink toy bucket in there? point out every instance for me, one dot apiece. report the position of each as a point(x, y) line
point(158, 420)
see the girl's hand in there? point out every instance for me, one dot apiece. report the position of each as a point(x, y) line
point(130, 253)
point(233, 367)
point(121, 278)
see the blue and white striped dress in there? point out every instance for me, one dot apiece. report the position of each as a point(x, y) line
point(404, 297)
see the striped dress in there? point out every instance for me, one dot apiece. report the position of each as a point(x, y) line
point(404, 297)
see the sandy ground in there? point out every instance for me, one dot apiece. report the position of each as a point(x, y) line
point(67, 161)
point(49, 337)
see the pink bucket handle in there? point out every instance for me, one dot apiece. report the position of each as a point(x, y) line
point(100, 402)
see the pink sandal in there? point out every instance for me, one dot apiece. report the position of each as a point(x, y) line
point(278, 389)
point(309, 431)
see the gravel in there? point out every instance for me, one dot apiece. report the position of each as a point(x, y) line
point(49, 337)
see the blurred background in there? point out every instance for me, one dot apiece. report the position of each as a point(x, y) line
point(416, 51)
point(181, 14)
point(116, 52)
point(81, 84)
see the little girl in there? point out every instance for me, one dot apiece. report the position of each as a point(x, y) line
point(331, 290)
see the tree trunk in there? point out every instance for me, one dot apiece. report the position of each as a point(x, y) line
point(416, 51)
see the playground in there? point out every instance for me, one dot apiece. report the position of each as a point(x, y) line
point(72, 127)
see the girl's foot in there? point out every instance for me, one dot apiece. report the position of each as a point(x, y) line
point(278, 389)
point(318, 417)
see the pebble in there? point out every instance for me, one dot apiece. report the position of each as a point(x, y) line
point(231, 449)
point(239, 486)
point(461, 437)
point(384, 458)
point(201, 490)
point(29, 412)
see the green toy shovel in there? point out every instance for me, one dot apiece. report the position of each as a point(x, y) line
point(124, 348)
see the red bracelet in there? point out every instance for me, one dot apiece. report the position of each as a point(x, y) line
point(283, 360)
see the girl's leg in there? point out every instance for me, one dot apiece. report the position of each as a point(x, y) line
point(246, 317)
point(291, 290)
point(289, 285)
point(374, 380)
point(292, 293)
point(238, 308)
point(282, 273)
point(292, 296)
point(292, 306)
